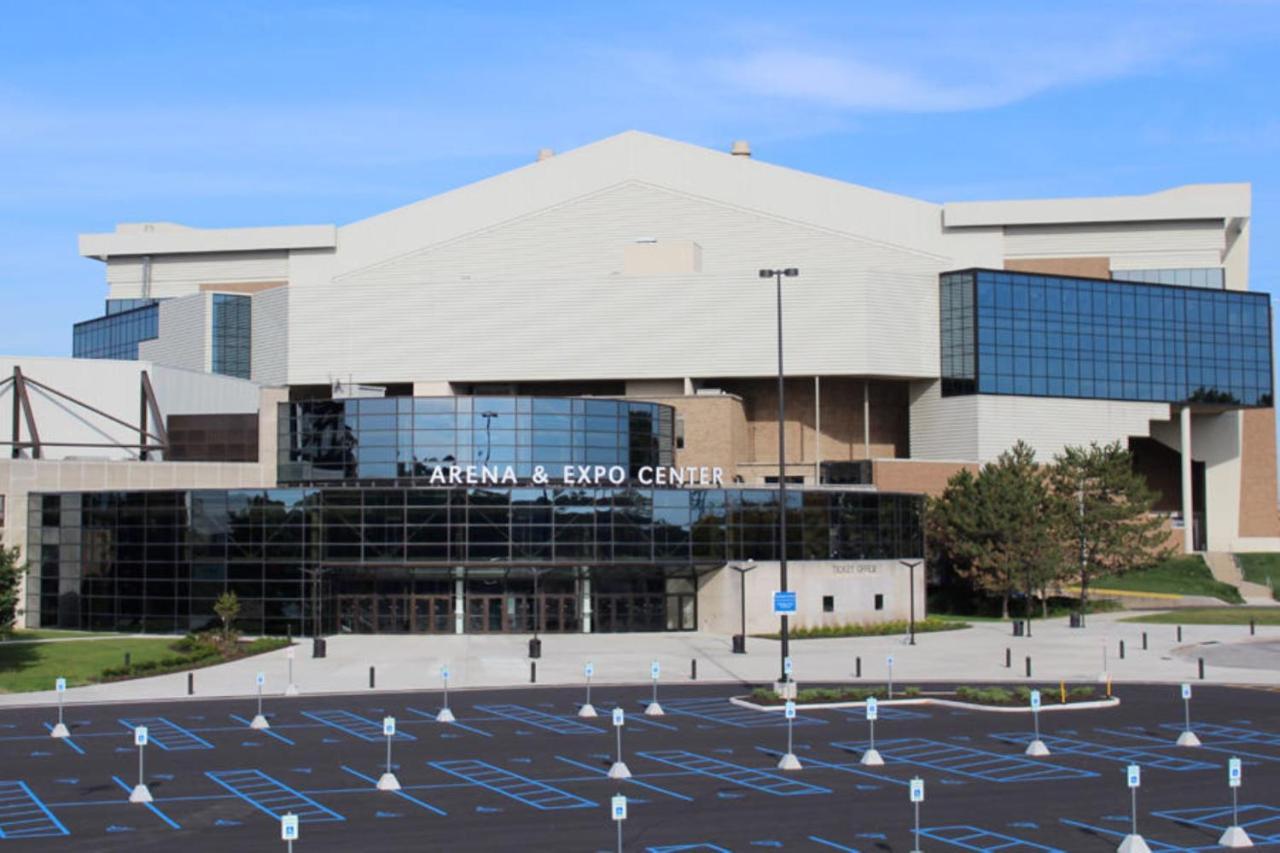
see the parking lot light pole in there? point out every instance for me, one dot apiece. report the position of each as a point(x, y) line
point(911, 567)
point(740, 646)
point(777, 275)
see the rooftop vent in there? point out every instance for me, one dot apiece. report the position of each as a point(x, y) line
point(545, 154)
point(741, 148)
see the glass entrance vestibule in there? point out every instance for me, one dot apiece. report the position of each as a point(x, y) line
point(506, 599)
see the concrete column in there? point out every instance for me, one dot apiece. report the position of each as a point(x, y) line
point(866, 418)
point(1188, 515)
point(586, 601)
point(459, 602)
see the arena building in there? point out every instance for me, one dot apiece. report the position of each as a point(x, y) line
point(551, 397)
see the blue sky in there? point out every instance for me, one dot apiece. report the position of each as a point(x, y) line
point(234, 114)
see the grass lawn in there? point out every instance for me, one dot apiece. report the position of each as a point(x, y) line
point(49, 634)
point(1212, 616)
point(1261, 568)
point(1178, 575)
point(34, 666)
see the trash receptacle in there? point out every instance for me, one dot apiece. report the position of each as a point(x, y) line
point(1019, 627)
point(535, 648)
point(739, 644)
point(1076, 620)
point(318, 647)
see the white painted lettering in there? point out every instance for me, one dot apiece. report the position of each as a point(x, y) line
point(455, 475)
point(717, 476)
point(645, 476)
point(437, 476)
point(617, 475)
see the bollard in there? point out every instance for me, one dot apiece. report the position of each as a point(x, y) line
point(191, 684)
point(1253, 627)
point(1144, 641)
point(857, 672)
point(1202, 669)
point(1179, 633)
point(533, 672)
point(1008, 658)
point(693, 669)
point(1028, 666)
point(1122, 650)
point(371, 678)
point(127, 659)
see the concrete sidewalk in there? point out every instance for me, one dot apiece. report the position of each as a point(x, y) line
point(972, 655)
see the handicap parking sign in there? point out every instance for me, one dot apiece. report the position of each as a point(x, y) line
point(873, 708)
point(790, 710)
point(261, 679)
point(389, 726)
point(617, 716)
point(60, 685)
point(917, 790)
point(1186, 691)
point(444, 672)
point(1233, 773)
point(589, 669)
point(786, 666)
point(654, 670)
point(140, 736)
point(289, 827)
point(1035, 700)
point(1133, 774)
point(619, 807)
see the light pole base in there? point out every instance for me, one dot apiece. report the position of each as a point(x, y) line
point(1235, 836)
point(388, 782)
point(654, 710)
point(871, 758)
point(587, 711)
point(60, 731)
point(1133, 844)
point(1037, 749)
point(785, 689)
point(1188, 738)
point(619, 771)
point(140, 794)
point(259, 723)
point(789, 762)
point(291, 690)
point(445, 716)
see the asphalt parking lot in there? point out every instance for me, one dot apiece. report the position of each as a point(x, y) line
point(519, 771)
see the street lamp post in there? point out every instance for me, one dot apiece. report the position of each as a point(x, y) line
point(740, 641)
point(911, 567)
point(777, 275)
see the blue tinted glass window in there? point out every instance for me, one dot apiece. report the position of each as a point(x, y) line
point(232, 334)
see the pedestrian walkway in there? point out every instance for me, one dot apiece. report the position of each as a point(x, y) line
point(976, 655)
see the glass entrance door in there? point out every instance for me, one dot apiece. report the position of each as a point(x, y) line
point(356, 614)
point(433, 614)
point(484, 614)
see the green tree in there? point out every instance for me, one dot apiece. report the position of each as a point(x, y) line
point(1104, 511)
point(228, 608)
point(997, 527)
point(11, 572)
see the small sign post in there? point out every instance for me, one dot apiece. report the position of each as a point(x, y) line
point(1188, 737)
point(388, 782)
point(445, 715)
point(654, 709)
point(889, 663)
point(917, 797)
point(259, 721)
point(1234, 835)
point(618, 807)
point(140, 793)
point(1036, 748)
point(1133, 842)
point(871, 757)
point(588, 710)
point(619, 769)
point(789, 761)
point(292, 689)
point(60, 730)
point(289, 829)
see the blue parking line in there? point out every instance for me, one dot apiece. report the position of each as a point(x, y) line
point(1218, 818)
point(679, 848)
point(854, 769)
point(1109, 752)
point(154, 809)
point(825, 843)
point(640, 719)
point(541, 719)
point(1156, 845)
point(68, 741)
point(968, 761)
point(354, 725)
point(1235, 734)
point(23, 815)
point(268, 732)
point(271, 796)
point(1231, 749)
point(401, 794)
point(982, 840)
point(747, 777)
point(522, 789)
point(432, 718)
point(633, 780)
point(167, 735)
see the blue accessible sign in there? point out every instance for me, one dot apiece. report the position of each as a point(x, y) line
point(784, 602)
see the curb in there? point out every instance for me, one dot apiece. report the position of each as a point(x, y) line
point(945, 703)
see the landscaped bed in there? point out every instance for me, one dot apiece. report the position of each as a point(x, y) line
point(871, 629)
point(1017, 697)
